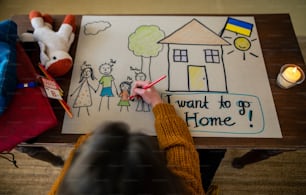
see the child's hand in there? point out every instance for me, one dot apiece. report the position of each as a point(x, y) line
point(150, 96)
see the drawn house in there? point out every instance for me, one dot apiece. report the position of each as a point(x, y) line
point(195, 59)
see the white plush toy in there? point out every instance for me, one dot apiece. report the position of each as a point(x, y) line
point(54, 46)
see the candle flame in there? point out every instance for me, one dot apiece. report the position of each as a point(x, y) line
point(294, 70)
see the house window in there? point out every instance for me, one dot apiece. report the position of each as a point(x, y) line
point(212, 56)
point(180, 55)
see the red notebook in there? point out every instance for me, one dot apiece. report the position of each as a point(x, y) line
point(29, 113)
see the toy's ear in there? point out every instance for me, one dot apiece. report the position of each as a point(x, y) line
point(34, 14)
point(70, 19)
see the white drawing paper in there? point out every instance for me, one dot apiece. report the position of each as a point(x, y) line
point(216, 75)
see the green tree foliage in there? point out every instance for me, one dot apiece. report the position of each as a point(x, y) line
point(143, 42)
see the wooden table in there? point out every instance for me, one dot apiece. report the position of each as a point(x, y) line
point(279, 45)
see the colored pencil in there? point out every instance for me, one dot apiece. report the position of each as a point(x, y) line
point(62, 102)
point(64, 105)
point(154, 82)
point(149, 85)
point(42, 68)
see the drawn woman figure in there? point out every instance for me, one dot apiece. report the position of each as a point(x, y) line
point(83, 98)
point(125, 91)
point(107, 81)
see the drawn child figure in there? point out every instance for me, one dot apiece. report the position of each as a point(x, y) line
point(107, 81)
point(83, 98)
point(125, 91)
point(142, 106)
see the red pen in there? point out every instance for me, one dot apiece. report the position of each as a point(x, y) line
point(149, 85)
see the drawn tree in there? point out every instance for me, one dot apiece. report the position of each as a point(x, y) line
point(144, 43)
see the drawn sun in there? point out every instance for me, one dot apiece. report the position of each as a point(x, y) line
point(242, 44)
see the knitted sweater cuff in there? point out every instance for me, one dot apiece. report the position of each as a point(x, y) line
point(163, 109)
point(170, 128)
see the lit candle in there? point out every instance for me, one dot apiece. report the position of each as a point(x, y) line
point(292, 74)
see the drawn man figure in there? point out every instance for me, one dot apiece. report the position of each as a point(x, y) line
point(107, 81)
point(83, 98)
point(142, 106)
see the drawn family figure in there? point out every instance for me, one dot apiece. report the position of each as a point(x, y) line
point(142, 106)
point(139, 75)
point(107, 81)
point(83, 97)
point(125, 91)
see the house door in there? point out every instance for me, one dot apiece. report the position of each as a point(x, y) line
point(197, 78)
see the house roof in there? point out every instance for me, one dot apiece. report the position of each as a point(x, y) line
point(194, 33)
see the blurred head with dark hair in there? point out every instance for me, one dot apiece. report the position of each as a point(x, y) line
point(115, 161)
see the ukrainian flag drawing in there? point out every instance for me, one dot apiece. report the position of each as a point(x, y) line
point(239, 26)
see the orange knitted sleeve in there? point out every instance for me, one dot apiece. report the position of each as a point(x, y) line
point(174, 138)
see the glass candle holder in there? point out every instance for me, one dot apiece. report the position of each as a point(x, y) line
point(289, 76)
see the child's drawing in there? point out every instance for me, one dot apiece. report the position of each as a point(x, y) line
point(125, 91)
point(142, 106)
point(139, 75)
point(144, 43)
point(216, 76)
point(95, 27)
point(243, 31)
point(107, 81)
point(83, 97)
point(201, 69)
